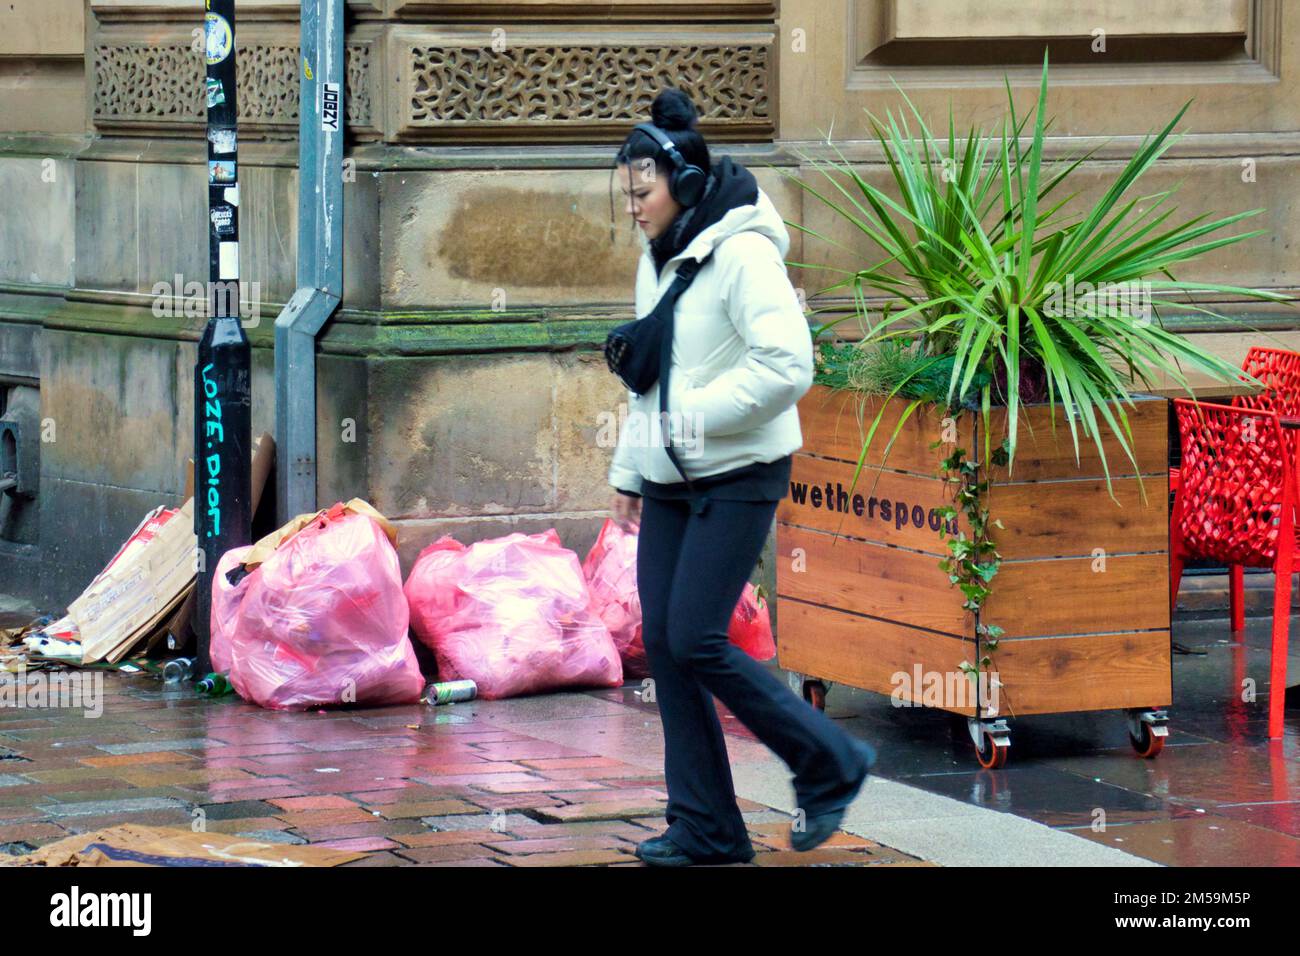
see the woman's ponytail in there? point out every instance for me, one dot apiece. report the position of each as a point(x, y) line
point(673, 110)
point(675, 114)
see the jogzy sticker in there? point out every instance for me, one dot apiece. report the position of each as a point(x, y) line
point(223, 220)
point(231, 194)
point(221, 171)
point(218, 37)
point(216, 93)
point(223, 140)
point(329, 107)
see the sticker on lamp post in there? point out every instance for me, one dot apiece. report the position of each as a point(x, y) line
point(330, 103)
point(218, 38)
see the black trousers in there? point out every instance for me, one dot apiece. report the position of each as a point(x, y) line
point(691, 570)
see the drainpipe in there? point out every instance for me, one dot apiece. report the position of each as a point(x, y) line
point(320, 255)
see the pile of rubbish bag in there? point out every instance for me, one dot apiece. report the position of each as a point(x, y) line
point(316, 614)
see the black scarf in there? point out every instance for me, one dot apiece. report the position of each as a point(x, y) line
point(729, 185)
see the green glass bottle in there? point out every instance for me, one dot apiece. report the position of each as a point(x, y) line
point(214, 685)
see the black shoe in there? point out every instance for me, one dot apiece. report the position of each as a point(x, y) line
point(661, 851)
point(820, 828)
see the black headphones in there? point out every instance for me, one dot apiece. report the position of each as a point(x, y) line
point(687, 182)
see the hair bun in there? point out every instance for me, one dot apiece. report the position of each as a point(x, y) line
point(673, 110)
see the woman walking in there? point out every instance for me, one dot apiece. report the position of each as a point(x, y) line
point(741, 357)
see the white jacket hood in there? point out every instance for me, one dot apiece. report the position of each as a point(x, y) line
point(742, 355)
point(761, 218)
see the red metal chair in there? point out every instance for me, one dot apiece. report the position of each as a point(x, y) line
point(1279, 370)
point(1236, 504)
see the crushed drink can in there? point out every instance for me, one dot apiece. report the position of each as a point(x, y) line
point(452, 691)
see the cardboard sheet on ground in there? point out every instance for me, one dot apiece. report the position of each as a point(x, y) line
point(139, 588)
point(130, 844)
point(148, 586)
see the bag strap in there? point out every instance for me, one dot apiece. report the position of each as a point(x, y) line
point(685, 275)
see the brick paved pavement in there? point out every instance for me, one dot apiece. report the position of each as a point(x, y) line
point(409, 786)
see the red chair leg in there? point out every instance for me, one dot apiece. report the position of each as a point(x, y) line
point(1176, 559)
point(1277, 663)
point(1237, 597)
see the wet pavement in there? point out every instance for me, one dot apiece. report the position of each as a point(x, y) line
point(576, 778)
point(1220, 794)
point(461, 785)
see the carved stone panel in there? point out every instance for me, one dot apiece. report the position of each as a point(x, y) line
point(141, 87)
point(534, 85)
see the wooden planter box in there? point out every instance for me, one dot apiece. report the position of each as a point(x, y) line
point(1082, 594)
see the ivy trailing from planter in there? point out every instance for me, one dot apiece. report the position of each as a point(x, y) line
point(972, 562)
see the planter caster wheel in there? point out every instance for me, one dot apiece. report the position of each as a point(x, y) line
point(992, 756)
point(1147, 730)
point(812, 689)
point(992, 741)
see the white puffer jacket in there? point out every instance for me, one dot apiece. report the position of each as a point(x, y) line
point(742, 356)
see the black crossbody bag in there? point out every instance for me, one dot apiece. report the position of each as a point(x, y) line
point(640, 352)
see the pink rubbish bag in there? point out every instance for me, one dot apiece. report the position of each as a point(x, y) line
point(611, 573)
point(226, 599)
point(610, 569)
point(513, 614)
point(324, 620)
point(751, 626)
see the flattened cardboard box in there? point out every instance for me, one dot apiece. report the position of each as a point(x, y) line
point(149, 584)
point(138, 590)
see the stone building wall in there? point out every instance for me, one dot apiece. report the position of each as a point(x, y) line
point(461, 384)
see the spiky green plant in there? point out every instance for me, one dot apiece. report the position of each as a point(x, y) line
point(979, 242)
